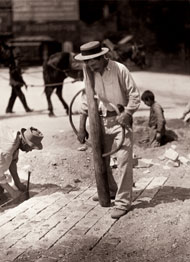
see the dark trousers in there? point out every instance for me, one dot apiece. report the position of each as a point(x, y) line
point(17, 92)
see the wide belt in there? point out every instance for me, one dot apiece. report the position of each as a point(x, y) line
point(108, 114)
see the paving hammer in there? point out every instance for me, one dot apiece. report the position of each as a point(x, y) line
point(28, 186)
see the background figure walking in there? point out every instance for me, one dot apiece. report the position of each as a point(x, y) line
point(16, 82)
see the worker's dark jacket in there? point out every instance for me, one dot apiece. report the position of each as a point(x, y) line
point(16, 79)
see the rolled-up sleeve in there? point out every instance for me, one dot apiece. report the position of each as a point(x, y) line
point(84, 105)
point(132, 92)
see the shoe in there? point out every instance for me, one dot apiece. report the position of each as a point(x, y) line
point(96, 198)
point(9, 111)
point(51, 114)
point(29, 110)
point(117, 213)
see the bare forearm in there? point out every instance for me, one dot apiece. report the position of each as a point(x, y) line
point(83, 119)
point(14, 174)
point(82, 133)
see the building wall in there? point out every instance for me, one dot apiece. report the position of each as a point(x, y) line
point(55, 18)
point(5, 17)
point(45, 10)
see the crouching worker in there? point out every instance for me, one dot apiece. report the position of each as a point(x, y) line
point(10, 143)
point(157, 122)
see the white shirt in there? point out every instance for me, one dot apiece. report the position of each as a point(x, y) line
point(115, 86)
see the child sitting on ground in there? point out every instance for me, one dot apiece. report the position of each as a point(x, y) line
point(157, 120)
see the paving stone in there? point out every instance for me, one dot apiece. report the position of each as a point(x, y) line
point(64, 227)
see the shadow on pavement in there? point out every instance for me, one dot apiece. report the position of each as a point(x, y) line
point(165, 195)
point(15, 115)
point(35, 189)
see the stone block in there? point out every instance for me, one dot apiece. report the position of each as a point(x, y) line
point(171, 154)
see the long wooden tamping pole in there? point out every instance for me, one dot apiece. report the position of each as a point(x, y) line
point(97, 143)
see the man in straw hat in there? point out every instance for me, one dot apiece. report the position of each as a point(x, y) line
point(10, 143)
point(113, 84)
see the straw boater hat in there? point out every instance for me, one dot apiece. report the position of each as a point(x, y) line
point(33, 137)
point(91, 50)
